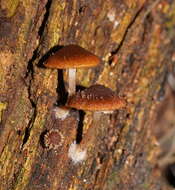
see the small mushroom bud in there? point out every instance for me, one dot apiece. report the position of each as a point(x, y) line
point(53, 139)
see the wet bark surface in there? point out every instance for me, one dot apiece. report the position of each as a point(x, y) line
point(134, 40)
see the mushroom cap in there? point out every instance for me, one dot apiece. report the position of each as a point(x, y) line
point(96, 98)
point(72, 56)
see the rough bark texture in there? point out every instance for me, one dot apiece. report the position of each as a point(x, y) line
point(134, 40)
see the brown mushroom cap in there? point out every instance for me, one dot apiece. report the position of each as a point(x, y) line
point(72, 56)
point(96, 98)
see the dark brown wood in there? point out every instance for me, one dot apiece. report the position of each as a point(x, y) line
point(135, 41)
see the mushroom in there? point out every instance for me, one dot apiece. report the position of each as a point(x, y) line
point(98, 99)
point(71, 57)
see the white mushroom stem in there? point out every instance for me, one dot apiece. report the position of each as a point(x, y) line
point(71, 81)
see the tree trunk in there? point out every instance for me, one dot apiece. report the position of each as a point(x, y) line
point(134, 39)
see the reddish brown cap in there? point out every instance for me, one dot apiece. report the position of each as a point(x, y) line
point(96, 98)
point(72, 56)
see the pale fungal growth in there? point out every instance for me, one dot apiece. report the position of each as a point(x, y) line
point(61, 112)
point(116, 23)
point(111, 16)
point(53, 139)
point(71, 57)
point(76, 154)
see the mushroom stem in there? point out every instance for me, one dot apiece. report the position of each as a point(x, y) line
point(71, 81)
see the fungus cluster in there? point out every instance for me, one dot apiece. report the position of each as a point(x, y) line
point(97, 98)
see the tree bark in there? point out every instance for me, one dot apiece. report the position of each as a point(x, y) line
point(134, 39)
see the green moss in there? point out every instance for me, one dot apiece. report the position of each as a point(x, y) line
point(10, 7)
